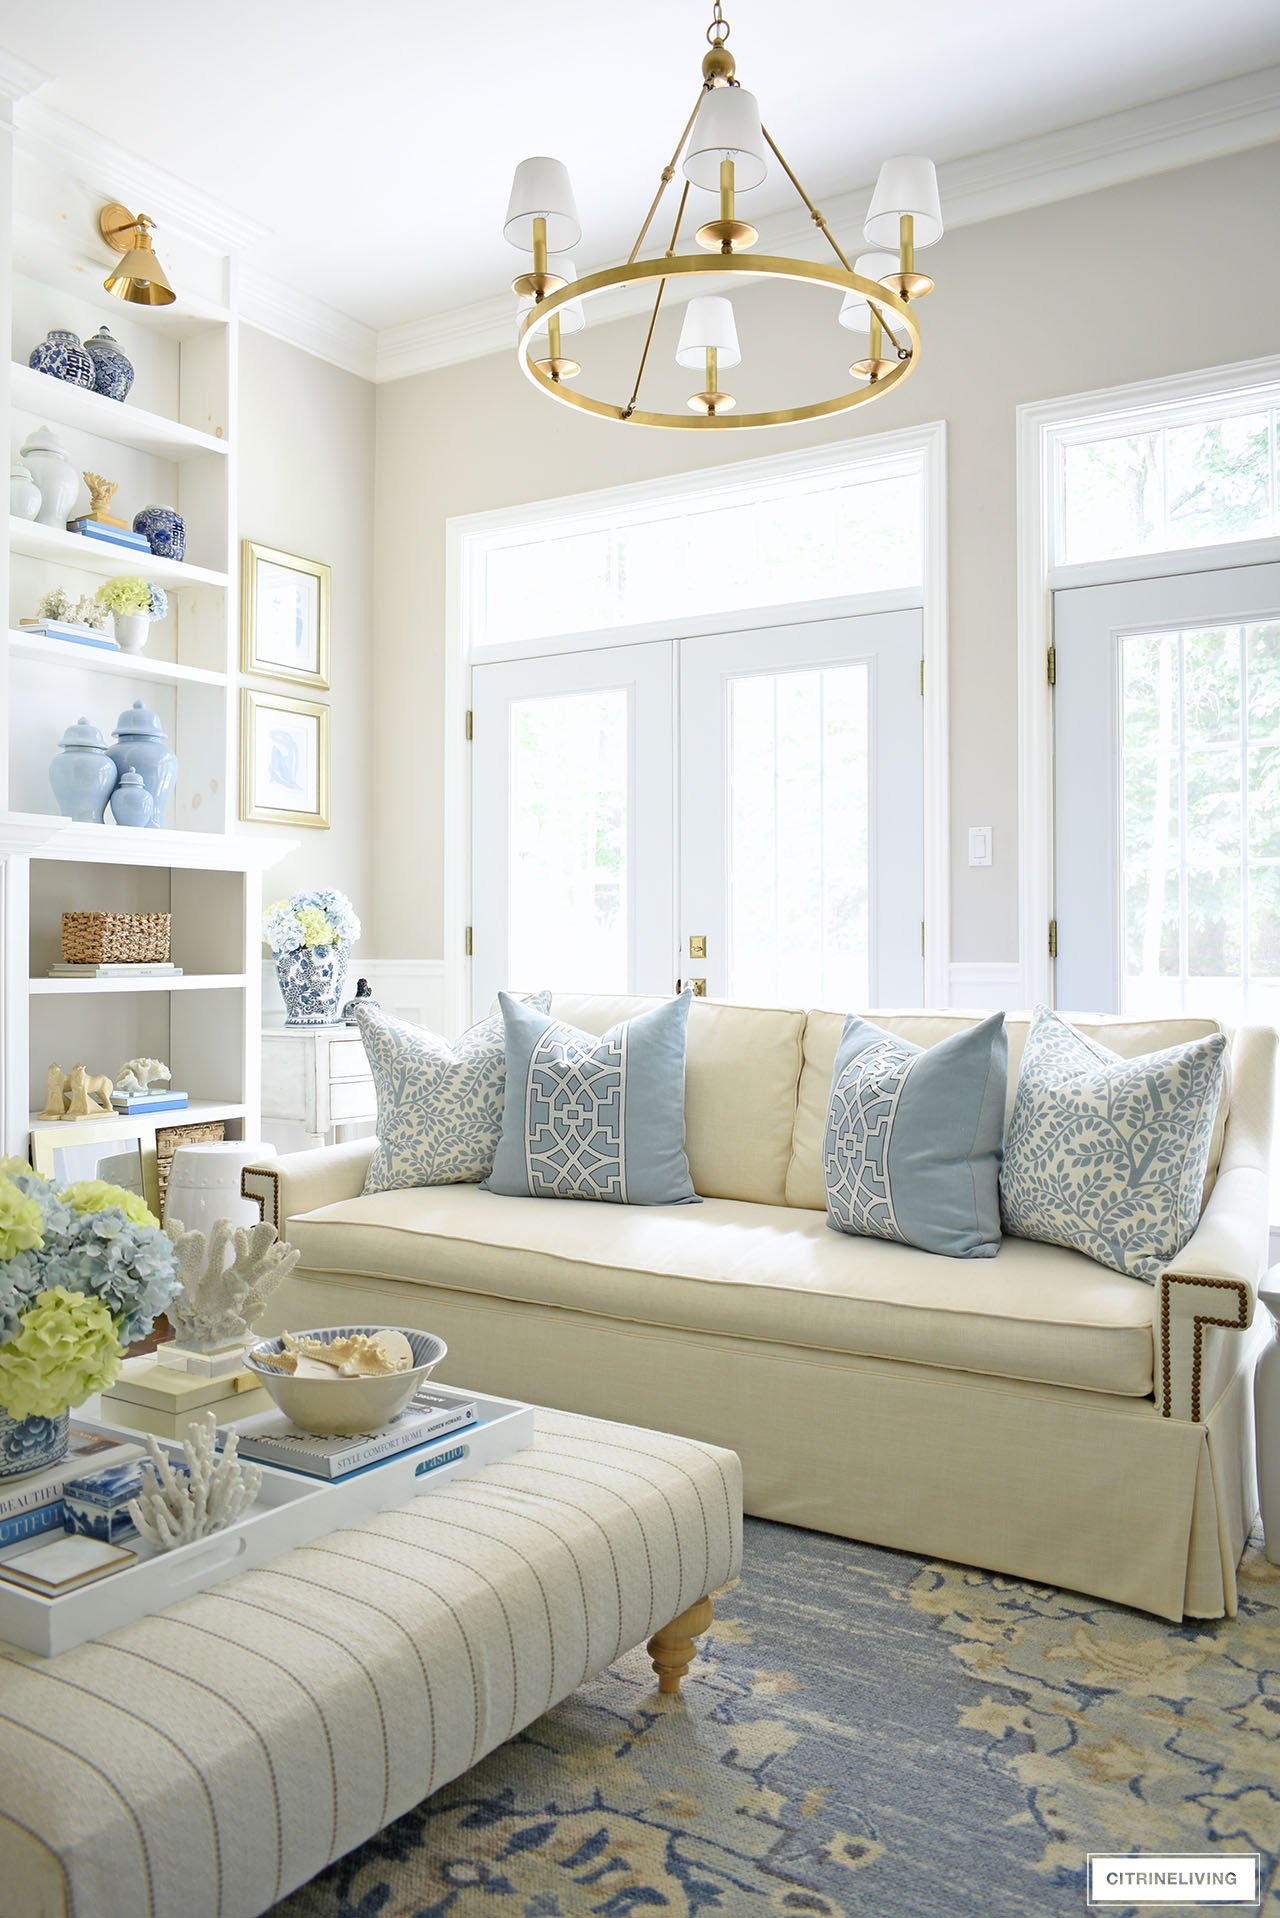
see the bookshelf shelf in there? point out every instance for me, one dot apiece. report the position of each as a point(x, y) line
point(65, 653)
point(54, 401)
point(31, 540)
point(41, 987)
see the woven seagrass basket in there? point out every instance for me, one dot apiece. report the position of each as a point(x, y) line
point(115, 938)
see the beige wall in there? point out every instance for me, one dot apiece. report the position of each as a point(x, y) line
point(306, 486)
point(1160, 276)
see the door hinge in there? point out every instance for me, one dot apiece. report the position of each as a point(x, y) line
point(1052, 665)
point(922, 679)
point(1053, 938)
point(470, 723)
point(467, 942)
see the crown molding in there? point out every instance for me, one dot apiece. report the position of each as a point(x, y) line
point(302, 320)
point(18, 77)
point(1206, 123)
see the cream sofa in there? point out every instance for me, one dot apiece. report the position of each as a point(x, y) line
point(1033, 1413)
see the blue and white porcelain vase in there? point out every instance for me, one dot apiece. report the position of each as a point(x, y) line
point(83, 775)
point(312, 982)
point(112, 367)
point(131, 803)
point(62, 356)
point(164, 530)
point(29, 1445)
point(142, 746)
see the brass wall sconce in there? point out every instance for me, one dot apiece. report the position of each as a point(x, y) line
point(139, 278)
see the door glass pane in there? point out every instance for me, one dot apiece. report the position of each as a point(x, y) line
point(570, 785)
point(799, 769)
point(1201, 821)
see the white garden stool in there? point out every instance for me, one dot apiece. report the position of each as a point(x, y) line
point(204, 1184)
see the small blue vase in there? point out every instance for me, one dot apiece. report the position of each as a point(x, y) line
point(131, 803)
point(164, 530)
point(83, 775)
point(142, 746)
point(29, 1445)
point(62, 356)
point(112, 368)
point(312, 981)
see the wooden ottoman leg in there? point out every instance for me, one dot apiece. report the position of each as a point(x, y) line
point(671, 1650)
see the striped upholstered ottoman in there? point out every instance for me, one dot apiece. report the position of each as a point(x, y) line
point(204, 1762)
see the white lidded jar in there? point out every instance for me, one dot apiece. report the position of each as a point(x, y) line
point(59, 481)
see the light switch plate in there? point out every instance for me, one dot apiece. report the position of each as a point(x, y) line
point(979, 845)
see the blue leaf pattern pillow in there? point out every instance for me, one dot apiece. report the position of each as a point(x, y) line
point(1107, 1155)
point(589, 1118)
point(439, 1105)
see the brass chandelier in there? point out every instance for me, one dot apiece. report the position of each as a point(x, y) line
point(725, 149)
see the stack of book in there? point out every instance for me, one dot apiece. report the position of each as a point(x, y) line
point(70, 631)
point(114, 969)
point(431, 1414)
point(162, 1099)
point(109, 534)
point(34, 1504)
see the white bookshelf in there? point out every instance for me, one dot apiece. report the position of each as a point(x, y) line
point(171, 442)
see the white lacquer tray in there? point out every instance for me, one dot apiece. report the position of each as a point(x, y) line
point(290, 1510)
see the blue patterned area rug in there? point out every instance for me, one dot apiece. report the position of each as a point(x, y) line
point(864, 1733)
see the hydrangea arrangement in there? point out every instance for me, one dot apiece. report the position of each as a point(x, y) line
point(133, 594)
point(320, 918)
point(84, 1271)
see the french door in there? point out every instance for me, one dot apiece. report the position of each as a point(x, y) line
point(1167, 794)
point(742, 810)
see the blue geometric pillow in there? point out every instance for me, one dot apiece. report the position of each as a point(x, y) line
point(912, 1146)
point(588, 1118)
point(1107, 1155)
point(439, 1104)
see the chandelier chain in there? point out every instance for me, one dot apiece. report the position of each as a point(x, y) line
point(718, 31)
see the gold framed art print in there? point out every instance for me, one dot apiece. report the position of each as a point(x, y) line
point(284, 616)
point(284, 759)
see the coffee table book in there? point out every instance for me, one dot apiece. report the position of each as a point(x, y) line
point(290, 1510)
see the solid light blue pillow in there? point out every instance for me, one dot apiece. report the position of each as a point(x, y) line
point(594, 1118)
point(913, 1140)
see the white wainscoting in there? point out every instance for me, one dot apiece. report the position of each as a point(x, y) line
point(411, 989)
point(986, 986)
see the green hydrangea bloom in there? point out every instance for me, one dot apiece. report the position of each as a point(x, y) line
point(316, 930)
point(95, 1195)
point(66, 1349)
point(21, 1220)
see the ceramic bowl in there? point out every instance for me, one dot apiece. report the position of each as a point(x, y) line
point(340, 1407)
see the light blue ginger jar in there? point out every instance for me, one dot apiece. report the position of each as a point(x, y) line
point(164, 530)
point(142, 746)
point(312, 982)
point(29, 1445)
point(131, 803)
point(61, 355)
point(84, 774)
point(112, 367)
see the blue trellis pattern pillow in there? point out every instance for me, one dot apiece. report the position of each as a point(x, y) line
point(912, 1146)
point(589, 1118)
point(1107, 1155)
point(439, 1104)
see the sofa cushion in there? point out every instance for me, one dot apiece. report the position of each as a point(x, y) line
point(1107, 1155)
point(589, 1116)
point(822, 1030)
point(439, 1103)
point(755, 1272)
point(912, 1147)
point(742, 1064)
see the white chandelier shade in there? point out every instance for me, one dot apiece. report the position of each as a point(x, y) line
point(541, 190)
point(727, 127)
point(907, 185)
point(708, 327)
point(572, 317)
point(855, 308)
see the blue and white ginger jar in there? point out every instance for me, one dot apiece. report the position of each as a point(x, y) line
point(29, 1445)
point(61, 355)
point(142, 745)
point(112, 368)
point(164, 530)
point(312, 982)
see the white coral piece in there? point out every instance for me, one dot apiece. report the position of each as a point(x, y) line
point(176, 1508)
point(137, 1075)
point(217, 1302)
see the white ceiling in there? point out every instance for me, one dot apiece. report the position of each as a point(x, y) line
point(377, 142)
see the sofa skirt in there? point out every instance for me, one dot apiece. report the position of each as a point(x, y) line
point(1092, 1492)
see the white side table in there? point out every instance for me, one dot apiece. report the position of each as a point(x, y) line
point(316, 1086)
point(1266, 1407)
